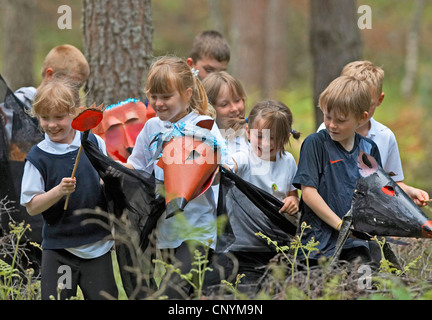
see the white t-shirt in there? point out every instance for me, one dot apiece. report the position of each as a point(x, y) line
point(198, 220)
point(274, 177)
point(33, 184)
point(237, 143)
point(387, 146)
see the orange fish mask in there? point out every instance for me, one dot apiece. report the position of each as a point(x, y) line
point(189, 158)
point(121, 124)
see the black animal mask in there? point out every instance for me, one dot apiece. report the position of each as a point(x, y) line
point(381, 207)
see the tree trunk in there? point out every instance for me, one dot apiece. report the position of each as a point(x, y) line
point(275, 58)
point(259, 45)
point(118, 37)
point(216, 16)
point(18, 42)
point(411, 57)
point(334, 42)
point(247, 38)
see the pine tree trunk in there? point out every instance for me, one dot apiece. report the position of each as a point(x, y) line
point(118, 38)
point(334, 42)
point(247, 42)
point(412, 47)
point(276, 70)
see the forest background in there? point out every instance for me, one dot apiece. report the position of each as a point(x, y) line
point(398, 29)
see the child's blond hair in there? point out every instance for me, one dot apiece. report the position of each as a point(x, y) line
point(366, 70)
point(56, 96)
point(346, 95)
point(170, 73)
point(215, 80)
point(67, 62)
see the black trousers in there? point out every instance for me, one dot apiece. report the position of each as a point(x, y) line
point(64, 268)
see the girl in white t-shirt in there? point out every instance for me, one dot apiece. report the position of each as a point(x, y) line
point(180, 101)
point(268, 166)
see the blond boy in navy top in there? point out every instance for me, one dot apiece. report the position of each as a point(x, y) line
point(84, 248)
point(379, 133)
point(328, 167)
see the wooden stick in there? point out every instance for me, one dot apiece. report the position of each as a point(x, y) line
point(73, 174)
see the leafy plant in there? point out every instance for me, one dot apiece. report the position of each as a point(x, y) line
point(15, 285)
point(195, 277)
point(233, 288)
point(294, 247)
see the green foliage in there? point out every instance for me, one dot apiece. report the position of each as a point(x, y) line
point(13, 284)
point(233, 287)
point(294, 247)
point(285, 277)
point(195, 277)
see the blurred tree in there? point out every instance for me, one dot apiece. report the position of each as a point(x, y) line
point(118, 38)
point(18, 42)
point(412, 45)
point(334, 42)
point(259, 44)
point(247, 37)
point(216, 16)
point(276, 69)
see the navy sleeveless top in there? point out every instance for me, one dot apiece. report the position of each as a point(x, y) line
point(62, 228)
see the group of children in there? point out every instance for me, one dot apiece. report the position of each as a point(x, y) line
point(326, 172)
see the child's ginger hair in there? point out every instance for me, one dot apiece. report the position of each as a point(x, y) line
point(346, 95)
point(67, 61)
point(170, 73)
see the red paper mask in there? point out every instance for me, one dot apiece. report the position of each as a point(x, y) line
point(189, 169)
point(121, 125)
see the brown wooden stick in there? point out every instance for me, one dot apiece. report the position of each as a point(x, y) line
point(73, 174)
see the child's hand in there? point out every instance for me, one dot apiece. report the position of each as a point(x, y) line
point(291, 205)
point(67, 186)
point(420, 197)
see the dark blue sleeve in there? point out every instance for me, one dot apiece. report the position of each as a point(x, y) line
point(376, 154)
point(374, 151)
point(311, 162)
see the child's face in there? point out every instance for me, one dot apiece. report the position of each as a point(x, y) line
point(261, 141)
point(170, 106)
point(342, 128)
point(58, 126)
point(227, 107)
point(207, 65)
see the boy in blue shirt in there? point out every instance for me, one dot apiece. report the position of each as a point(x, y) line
point(328, 167)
